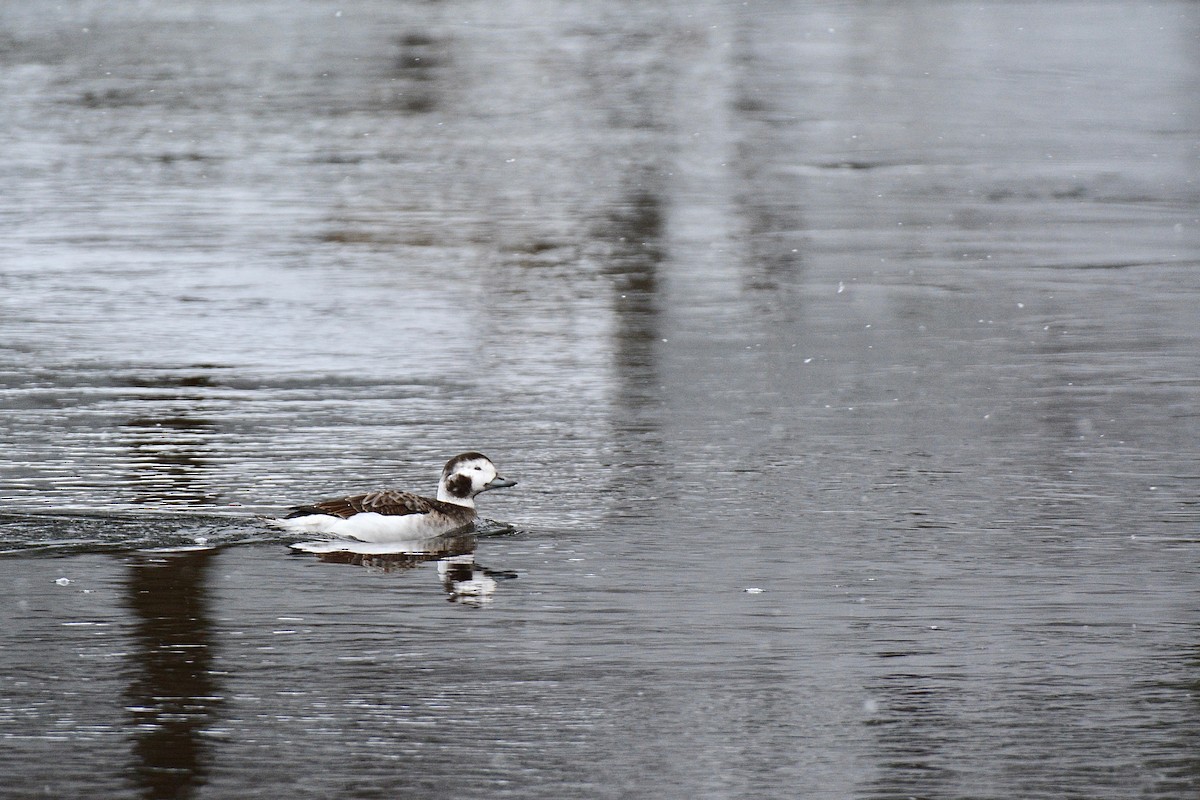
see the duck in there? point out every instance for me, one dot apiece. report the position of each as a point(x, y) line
point(391, 515)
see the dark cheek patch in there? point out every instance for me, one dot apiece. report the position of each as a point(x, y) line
point(459, 486)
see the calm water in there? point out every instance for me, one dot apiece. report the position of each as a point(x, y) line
point(847, 354)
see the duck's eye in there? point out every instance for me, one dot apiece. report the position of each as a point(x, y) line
point(478, 469)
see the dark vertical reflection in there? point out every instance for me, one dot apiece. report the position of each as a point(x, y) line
point(770, 196)
point(167, 456)
point(172, 696)
point(769, 199)
point(421, 60)
point(168, 447)
point(1065, 415)
point(913, 732)
point(1178, 772)
point(634, 233)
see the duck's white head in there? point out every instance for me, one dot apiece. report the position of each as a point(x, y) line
point(466, 475)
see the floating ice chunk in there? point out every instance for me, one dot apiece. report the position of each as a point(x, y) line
point(754, 590)
point(63, 581)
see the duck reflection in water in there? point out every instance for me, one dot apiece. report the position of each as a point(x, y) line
point(463, 579)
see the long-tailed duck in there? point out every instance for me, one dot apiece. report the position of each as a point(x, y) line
point(389, 515)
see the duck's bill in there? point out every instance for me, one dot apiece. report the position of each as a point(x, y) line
point(498, 483)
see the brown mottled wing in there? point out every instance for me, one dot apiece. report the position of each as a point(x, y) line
point(387, 502)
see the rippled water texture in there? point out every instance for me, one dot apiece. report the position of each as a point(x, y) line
point(846, 354)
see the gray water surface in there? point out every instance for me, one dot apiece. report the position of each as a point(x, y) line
point(847, 354)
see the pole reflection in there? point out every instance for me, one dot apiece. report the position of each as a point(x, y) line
point(168, 458)
point(173, 695)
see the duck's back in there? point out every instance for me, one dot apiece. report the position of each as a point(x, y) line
point(381, 516)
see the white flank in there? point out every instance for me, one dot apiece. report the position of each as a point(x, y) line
point(367, 527)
